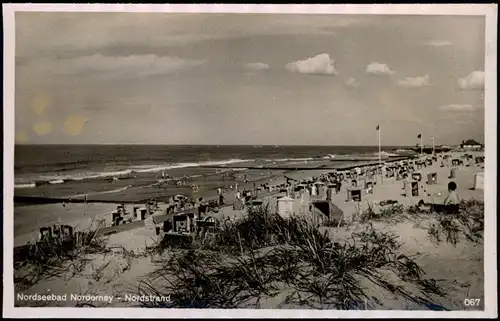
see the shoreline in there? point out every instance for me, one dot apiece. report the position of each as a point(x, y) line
point(29, 200)
point(91, 210)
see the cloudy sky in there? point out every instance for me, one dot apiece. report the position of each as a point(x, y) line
point(156, 78)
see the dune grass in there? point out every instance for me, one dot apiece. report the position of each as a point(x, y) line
point(262, 256)
point(252, 260)
point(53, 257)
point(467, 223)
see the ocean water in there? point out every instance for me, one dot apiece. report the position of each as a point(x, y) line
point(67, 170)
point(54, 162)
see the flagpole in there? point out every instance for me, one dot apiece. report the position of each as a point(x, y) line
point(380, 154)
point(433, 147)
point(421, 147)
point(379, 148)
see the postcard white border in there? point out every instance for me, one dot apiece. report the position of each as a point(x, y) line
point(490, 282)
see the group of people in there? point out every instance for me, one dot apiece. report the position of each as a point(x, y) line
point(335, 179)
point(220, 191)
point(178, 204)
point(239, 194)
point(85, 200)
point(292, 185)
point(182, 181)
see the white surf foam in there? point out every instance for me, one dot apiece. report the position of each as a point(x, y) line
point(30, 185)
point(57, 181)
point(385, 154)
point(289, 159)
point(103, 192)
point(159, 168)
point(84, 175)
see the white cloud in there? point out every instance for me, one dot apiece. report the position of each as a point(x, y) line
point(475, 80)
point(351, 82)
point(257, 66)
point(127, 66)
point(414, 82)
point(458, 107)
point(438, 43)
point(379, 69)
point(319, 64)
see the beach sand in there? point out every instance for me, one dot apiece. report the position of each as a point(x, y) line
point(28, 219)
point(462, 266)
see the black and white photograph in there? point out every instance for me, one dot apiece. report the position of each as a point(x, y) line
point(250, 160)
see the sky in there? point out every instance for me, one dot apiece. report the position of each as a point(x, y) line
point(253, 79)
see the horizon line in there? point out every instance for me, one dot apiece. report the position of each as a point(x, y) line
point(253, 145)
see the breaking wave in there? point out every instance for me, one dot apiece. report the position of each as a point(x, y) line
point(127, 173)
point(103, 192)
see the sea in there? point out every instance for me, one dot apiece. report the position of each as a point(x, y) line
point(99, 170)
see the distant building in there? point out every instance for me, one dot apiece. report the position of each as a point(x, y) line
point(470, 144)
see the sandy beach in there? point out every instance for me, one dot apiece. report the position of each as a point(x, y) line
point(460, 267)
point(30, 217)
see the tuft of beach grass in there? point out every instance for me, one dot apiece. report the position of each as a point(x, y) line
point(54, 257)
point(247, 261)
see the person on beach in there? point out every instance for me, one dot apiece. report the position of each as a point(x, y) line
point(452, 198)
point(358, 171)
point(449, 206)
point(85, 199)
point(221, 199)
point(338, 185)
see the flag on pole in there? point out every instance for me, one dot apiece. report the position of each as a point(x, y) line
point(419, 136)
point(432, 137)
point(379, 150)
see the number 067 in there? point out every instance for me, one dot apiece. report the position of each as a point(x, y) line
point(472, 302)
